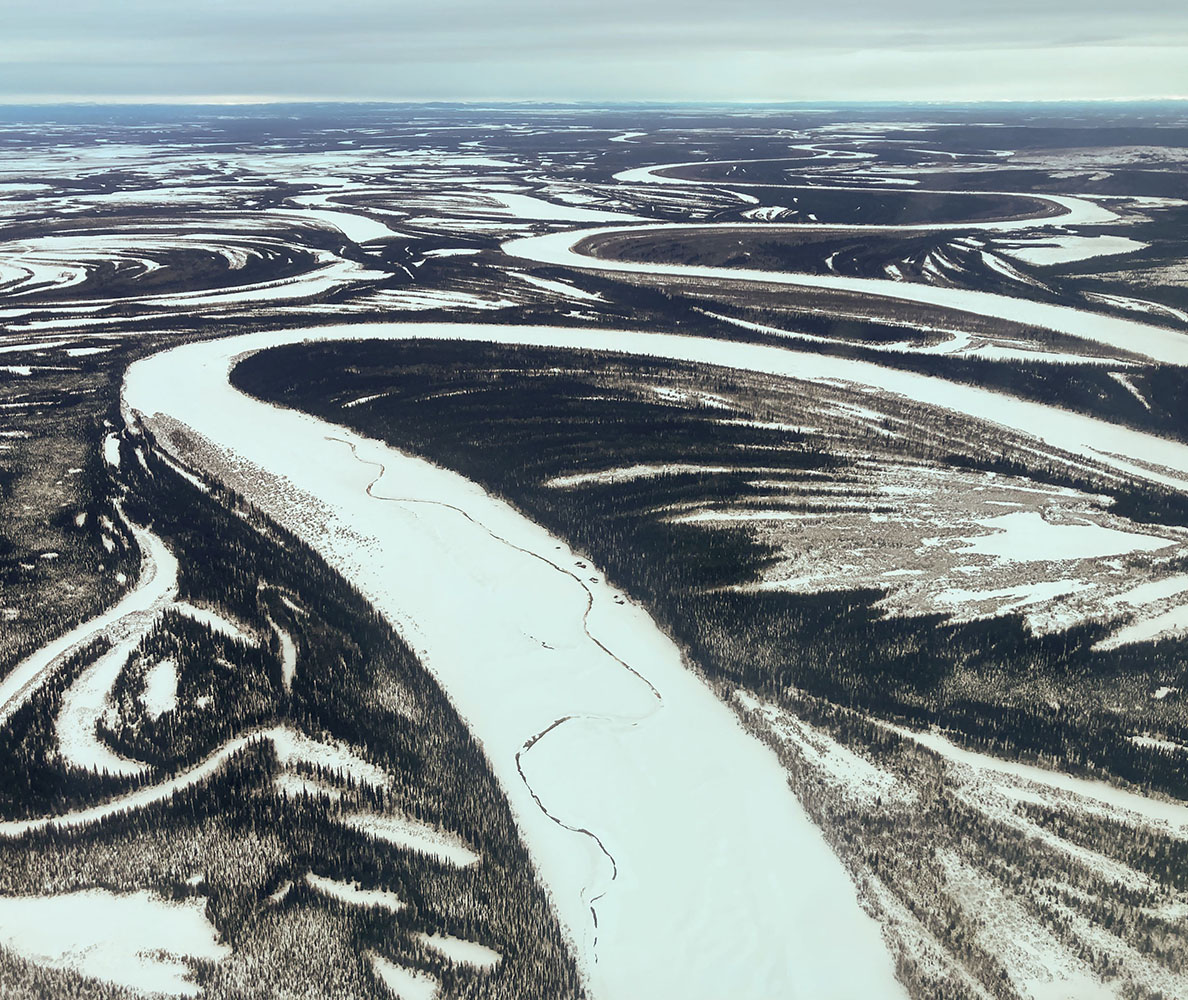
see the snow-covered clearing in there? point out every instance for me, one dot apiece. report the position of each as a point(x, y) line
point(1067, 209)
point(459, 951)
point(134, 940)
point(351, 893)
point(111, 450)
point(413, 835)
point(355, 227)
point(559, 288)
point(1171, 622)
point(288, 650)
point(216, 622)
point(1039, 965)
point(1065, 249)
point(291, 748)
point(160, 689)
point(1024, 536)
point(294, 748)
point(405, 984)
point(1124, 380)
point(630, 473)
point(522, 206)
point(657, 810)
point(837, 763)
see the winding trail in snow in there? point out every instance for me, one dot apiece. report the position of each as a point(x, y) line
point(532, 741)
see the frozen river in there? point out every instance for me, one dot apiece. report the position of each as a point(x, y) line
point(676, 856)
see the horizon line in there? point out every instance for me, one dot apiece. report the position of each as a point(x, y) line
point(219, 100)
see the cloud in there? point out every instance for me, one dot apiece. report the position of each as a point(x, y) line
point(591, 49)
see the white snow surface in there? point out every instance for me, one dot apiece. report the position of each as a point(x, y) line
point(160, 689)
point(216, 621)
point(83, 705)
point(350, 892)
point(720, 884)
point(404, 984)
point(134, 940)
point(522, 206)
point(1024, 536)
point(413, 835)
point(1065, 249)
point(459, 951)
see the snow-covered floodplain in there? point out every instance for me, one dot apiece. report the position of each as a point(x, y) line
point(1066, 210)
point(642, 800)
point(1157, 343)
point(134, 940)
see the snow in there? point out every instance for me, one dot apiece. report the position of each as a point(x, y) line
point(160, 689)
point(350, 892)
point(726, 516)
point(452, 252)
point(1068, 210)
point(215, 621)
point(526, 207)
point(296, 785)
point(155, 588)
point(663, 782)
point(1157, 343)
point(1008, 599)
point(1172, 621)
point(1024, 536)
point(111, 450)
point(404, 984)
point(293, 747)
point(460, 952)
point(1134, 453)
point(630, 473)
point(1124, 380)
point(288, 654)
point(861, 778)
point(1040, 967)
point(1152, 591)
point(1064, 249)
point(134, 940)
point(355, 227)
point(559, 288)
point(83, 705)
point(412, 835)
point(1171, 814)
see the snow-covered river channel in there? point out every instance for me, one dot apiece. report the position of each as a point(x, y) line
point(675, 853)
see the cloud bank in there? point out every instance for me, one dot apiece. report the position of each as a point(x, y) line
point(592, 50)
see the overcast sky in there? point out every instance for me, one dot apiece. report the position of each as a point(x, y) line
point(592, 49)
